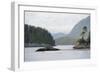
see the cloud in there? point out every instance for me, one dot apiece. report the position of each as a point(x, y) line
point(54, 22)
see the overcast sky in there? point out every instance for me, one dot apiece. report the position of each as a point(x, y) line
point(54, 22)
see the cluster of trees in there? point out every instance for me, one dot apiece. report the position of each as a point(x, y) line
point(37, 35)
point(82, 42)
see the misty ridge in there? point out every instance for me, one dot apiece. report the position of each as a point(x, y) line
point(75, 33)
point(40, 37)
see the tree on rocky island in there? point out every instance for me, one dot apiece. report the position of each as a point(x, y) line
point(82, 42)
point(84, 30)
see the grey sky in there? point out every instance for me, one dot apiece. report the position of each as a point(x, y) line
point(54, 22)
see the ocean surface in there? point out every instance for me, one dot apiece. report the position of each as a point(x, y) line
point(66, 52)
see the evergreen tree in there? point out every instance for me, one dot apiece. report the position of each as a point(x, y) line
point(26, 37)
point(37, 35)
point(88, 39)
point(84, 30)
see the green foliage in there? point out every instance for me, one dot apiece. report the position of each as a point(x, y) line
point(84, 30)
point(88, 39)
point(37, 35)
point(83, 43)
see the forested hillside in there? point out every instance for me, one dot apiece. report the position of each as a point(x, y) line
point(37, 36)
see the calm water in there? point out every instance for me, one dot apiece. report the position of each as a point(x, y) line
point(66, 52)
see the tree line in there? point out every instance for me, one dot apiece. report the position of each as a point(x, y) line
point(37, 35)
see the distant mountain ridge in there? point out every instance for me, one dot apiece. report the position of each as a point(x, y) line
point(58, 35)
point(78, 27)
point(71, 38)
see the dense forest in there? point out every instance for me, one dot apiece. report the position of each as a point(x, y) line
point(37, 36)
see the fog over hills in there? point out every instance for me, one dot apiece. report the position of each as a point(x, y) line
point(78, 27)
point(58, 35)
point(75, 33)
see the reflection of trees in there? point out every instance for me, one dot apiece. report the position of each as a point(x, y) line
point(37, 35)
